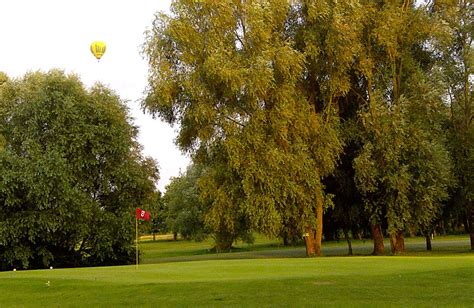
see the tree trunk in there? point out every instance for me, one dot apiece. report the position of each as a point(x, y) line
point(224, 241)
point(393, 243)
point(397, 242)
point(428, 241)
point(154, 236)
point(309, 242)
point(319, 226)
point(401, 241)
point(471, 227)
point(377, 236)
point(313, 238)
point(175, 236)
point(466, 224)
point(348, 239)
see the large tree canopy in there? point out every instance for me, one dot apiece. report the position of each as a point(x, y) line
point(231, 74)
point(456, 60)
point(263, 89)
point(71, 173)
point(403, 168)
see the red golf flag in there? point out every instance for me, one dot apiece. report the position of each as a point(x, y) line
point(142, 214)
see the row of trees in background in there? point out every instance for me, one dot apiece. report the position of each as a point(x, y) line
point(361, 109)
point(71, 174)
point(353, 115)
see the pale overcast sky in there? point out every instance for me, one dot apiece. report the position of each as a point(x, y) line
point(46, 34)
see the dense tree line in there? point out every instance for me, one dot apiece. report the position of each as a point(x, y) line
point(359, 109)
point(71, 173)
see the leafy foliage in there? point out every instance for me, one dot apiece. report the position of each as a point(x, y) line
point(230, 74)
point(403, 169)
point(456, 59)
point(264, 91)
point(71, 173)
point(184, 211)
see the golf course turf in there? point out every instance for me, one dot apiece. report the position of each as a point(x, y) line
point(361, 281)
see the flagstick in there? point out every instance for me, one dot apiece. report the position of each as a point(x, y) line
point(136, 243)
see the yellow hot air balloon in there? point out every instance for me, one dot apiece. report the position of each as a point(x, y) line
point(98, 49)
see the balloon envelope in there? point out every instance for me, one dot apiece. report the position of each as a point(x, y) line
point(98, 49)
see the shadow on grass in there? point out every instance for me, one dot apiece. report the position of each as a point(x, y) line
point(179, 251)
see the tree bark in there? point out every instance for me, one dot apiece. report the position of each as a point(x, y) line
point(349, 244)
point(471, 227)
point(400, 241)
point(377, 236)
point(393, 243)
point(428, 241)
point(309, 242)
point(466, 223)
point(397, 242)
point(313, 238)
point(319, 226)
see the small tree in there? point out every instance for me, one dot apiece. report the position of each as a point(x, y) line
point(184, 211)
point(157, 209)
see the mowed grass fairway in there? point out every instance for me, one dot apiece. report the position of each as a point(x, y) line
point(413, 280)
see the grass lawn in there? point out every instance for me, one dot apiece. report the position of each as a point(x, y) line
point(293, 282)
point(167, 250)
point(258, 275)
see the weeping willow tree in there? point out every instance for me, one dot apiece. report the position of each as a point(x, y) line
point(258, 89)
point(250, 95)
